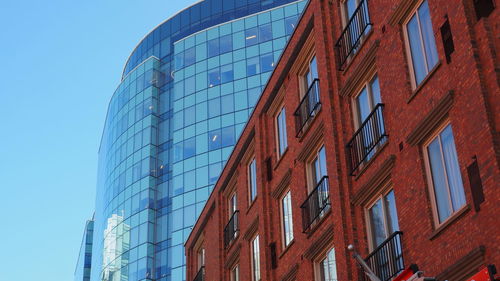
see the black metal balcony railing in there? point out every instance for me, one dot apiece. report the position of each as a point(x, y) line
point(365, 140)
point(231, 229)
point(200, 276)
point(351, 36)
point(308, 106)
point(386, 260)
point(316, 204)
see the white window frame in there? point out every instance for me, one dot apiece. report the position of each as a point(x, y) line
point(252, 179)
point(318, 269)
point(255, 258)
point(369, 230)
point(430, 180)
point(408, 47)
point(285, 240)
point(235, 273)
point(279, 136)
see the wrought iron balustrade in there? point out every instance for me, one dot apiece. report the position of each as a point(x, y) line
point(316, 204)
point(352, 34)
point(200, 276)
point(231, 229)
point(386, 261)
point(308, 107)
point(366, 139)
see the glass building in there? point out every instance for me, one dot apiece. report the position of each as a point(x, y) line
point(83, 265)
point(186, 93)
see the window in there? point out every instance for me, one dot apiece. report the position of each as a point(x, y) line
point(290, 24)
point(444, 175)
point(318, 167)
point(281, 132)
point(287, 220)
point(252, 179)
point(369, 120)
point(267, 62)
point(251, 36)
point(255, 259)
point(235, 273)
point(265, 32)
point(421, 43)
point(233, 207)
point(311, 73)
point(328, 267)
point(383, 219)
point(200, 257)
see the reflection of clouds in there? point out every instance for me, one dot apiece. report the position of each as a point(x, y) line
point(116, 242)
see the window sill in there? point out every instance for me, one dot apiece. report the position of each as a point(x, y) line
point(457, 215)
point(285, 250)
point(280, 158)
point(422, 84)
point(369, 163)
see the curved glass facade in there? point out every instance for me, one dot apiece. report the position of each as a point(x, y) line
point(171, 124)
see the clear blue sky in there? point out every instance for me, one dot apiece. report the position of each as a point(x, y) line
point(60, 62)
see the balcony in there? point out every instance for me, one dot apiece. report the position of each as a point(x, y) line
point(386, 260)
point(367, 138)
point(231, 229)
point(316, 204)
point(350, 39)
point(200, 276)
point(308, 107)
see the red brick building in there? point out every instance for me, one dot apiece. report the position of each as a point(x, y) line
point(378, 128)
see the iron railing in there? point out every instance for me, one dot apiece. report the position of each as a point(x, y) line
point(350, 38)
point(370, 134)
point(231, 229)
point(386, 260)
point(200, 276)
point(316, 204)
point(308, 107)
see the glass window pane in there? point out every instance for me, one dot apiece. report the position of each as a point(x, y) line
point(282, 136)
point(265, 33)
point(328, 267)
point(189, 147)
point(267, 62)
point(213, 47)
point(253, 66)
point(391, 213)
point(189, 56)
point(251, 36)
point(213, 77)
point(252, 179)
point(286, 204)
point(452, 169)
point(226, 44)
point(256, 259)
point(419, 67)
point(439, 181)
point(290, 23)
point(377, 223)
point(428, 35)
point(227, 73)
point(228, 137)
point(213, 108)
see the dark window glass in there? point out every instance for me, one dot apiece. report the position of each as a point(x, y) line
point(227, 73)
point(189, 147)
point(227, 104)
point(189, 56)
point(227, 136)
point(251, 36)
point(213, 47)
point(290, 24)
point(214, 172)
point(214, 139)
point(265, 33)
point(179, 61)
point(253, 66)
point(226, 44)
point(213, 77)
point(267, 62)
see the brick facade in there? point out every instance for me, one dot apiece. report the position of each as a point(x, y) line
point(463, 92)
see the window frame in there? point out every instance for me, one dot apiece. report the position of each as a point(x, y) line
point(282, 219)
point(354, 104)
point(319, 260)
point(409, 56)
point(430, 180)
point(279, 153)
point(255, 258)
point(369, 228)
point(232, 270)
point(310, 170)
point(251, 198)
